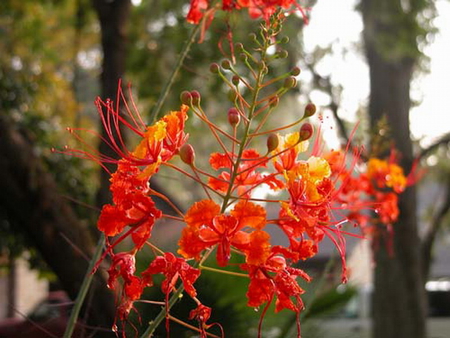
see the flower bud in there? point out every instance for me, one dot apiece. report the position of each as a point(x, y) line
point(235, 80)
point(187, 154)
point(239, 47)
point(290, 82)
point(232, 95)
point(283, 54)
point(306, 131)
point(196, 97)
point(226, 64)
point(261, 65)
point(295, 71)
point(186, 98)
point(243, 57)
point(284, 40)
point(272, 142)
point(233, 117)
point(214, 68)
point(310, 110)
point(274, 100)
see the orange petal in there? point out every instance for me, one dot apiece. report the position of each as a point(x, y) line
point(249, 214)
point(201, 213)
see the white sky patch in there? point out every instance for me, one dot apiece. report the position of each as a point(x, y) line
point(432, 117)
point(338, 23)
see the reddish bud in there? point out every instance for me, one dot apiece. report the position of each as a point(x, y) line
point(186, 98)
point(233, 117)
point(187, 154)
point(295, 71)
point(310, 110)
point(272, 142)
point(196, 97)
point(214, 68)
point(306, 131)
point(243, 57)
point(235, 80)
point(274, 101)
point(226, 64)
point(290, 82)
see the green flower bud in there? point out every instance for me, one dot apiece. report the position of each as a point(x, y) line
point(232, 94)
point(295, 71)
point(290, 82)
point(283, 54)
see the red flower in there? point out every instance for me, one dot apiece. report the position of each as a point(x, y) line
point(206, 227)
point(123, 265)
point(275, 279)
point(173, 268)
point(247, 177)
point(256, 8)
point(201, 314)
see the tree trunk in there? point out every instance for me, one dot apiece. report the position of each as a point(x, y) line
point(30, 198)
point(399, 297)
point(113, 17)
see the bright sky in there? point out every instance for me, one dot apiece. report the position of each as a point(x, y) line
point(339, 23)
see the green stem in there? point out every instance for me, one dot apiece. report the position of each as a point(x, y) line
point(173, 299)
point(84, 288)
point(242, 145)
point(162, 97)
point(162, 314)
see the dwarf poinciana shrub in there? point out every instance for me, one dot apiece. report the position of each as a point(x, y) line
point(320, 192)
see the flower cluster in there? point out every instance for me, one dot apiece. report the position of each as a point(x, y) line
point(316, 192)
point(256, 8)
point(376, 188)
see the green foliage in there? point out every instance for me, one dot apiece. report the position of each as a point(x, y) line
point(36, 92)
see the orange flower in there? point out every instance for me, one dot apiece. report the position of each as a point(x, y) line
point(256, 8)
point(206, 227)
point(386, 174)
point(247, 177)
point(274, 278)
point(173, 268)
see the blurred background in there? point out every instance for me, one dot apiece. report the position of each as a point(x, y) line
point(381, 64)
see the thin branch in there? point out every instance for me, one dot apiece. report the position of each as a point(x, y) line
point(432, 230)
point(442, 140)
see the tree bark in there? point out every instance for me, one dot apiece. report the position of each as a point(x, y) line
point(30, 198)
point(113, 17)
point(399, 297)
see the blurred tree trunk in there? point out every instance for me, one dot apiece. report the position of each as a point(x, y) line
point(390, 33)
point(113, 17)
point(30, 197)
